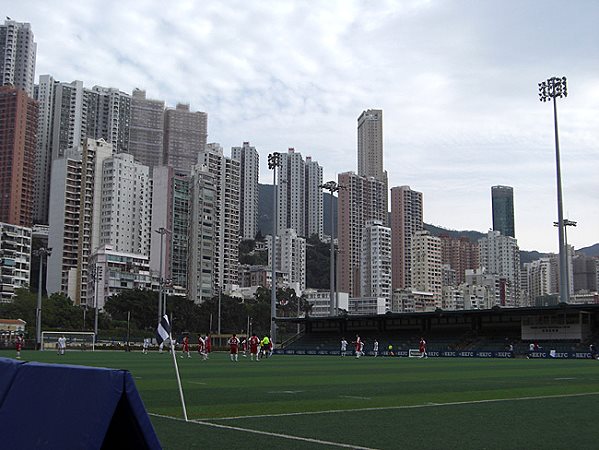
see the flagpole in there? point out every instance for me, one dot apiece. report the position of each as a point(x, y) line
point(170, 335)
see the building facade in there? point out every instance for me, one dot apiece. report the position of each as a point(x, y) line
point(17, 55)
point(185, 135)
point(18, 132)
point(15, 259)
point(460, 254)
point(375, 264)
point(248, 200)
point(502, 199)
point(146, 138)
point(406, 221)
point(426, 267)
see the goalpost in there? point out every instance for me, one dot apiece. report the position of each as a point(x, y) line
point(76, 340)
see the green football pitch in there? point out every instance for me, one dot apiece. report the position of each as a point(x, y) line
point(314, 402)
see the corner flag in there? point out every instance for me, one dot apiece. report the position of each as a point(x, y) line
point(163, 331)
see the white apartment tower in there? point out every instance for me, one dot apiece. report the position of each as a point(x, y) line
point(375, 261)
point(290, 250)
point(541, 279)
point(64, 230)
point(500, 256)
point(126, 207)
point(360, 201)
point(227, 185)
point(17, 55)
point(314, 199)
point(426, 267)
point(248, 174)
point(406, 221)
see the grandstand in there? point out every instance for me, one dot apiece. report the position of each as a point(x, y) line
point(563, 328)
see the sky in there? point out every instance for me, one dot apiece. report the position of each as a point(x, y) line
point(457, 82)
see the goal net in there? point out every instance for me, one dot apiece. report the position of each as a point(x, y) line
point(414, 353)
point(75, 340)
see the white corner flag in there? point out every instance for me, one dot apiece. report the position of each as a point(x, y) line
point(163, 332)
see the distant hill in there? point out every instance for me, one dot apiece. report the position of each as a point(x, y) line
point(593, 250)
point(265, 225)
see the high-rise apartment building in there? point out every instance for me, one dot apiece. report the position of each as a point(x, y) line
point(146, 138)
point(290, 251)
point(299, 194)
point(361, 200)
point(426, 267)
point(314, 199)
point(227, 184)
point(185, 134)
point(502, 199)
point(406, 221)
point(15, 263)
point(64, 230)
point(109, 117)
point(370, 147)
point(18, 134)
point(248, 203)
point(460, 254)
point(540, 280)
point(17, 55)
point(126, 207)
point(375, 261)
point(500, 256)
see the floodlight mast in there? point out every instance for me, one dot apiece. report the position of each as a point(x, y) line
point(554, 88)
point(274, 161)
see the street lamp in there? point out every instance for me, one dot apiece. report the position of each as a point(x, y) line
point(332, 187)
point(41, 252)
point(567, 223)
point(555, 88)
point(274, 161)
point(161, 231)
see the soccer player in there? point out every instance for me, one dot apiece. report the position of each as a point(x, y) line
point(376, 348)
point(234, 346)
point(202, 347)
point(244, 347)
point(593, 351)
point(19, 345)
point(145, 346)
point(62, 345)
point(422, 348)
point(343, 346)
point(362, 348)
point(264, 345)
point(186, 346)
point(208, 342)
point(358, 345)
point(254, 343)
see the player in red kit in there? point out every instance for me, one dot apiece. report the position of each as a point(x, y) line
point(202, 347)
point(19, 346)
point(208, 342)
point(234, 346)
point(186, 346)
point(254, 343)
point(422, 348)
point(358, 344)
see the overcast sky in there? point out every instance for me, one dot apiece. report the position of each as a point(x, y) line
point(456, 80)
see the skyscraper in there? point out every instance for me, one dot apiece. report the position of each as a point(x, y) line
point(359, 202)
point(426, 268)
point(185, 134)
point(406, 220)
point(314, 199)
point(502, 199)
point(18, 126)
point(225, 171)
point(375, 261)
point(17, 55)
point(460, 254)
point(370, 148)
point(248, 165)
point(146, 139)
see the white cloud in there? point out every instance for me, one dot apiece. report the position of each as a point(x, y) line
point(456, 80)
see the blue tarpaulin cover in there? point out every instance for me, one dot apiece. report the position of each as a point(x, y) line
point(55, 406)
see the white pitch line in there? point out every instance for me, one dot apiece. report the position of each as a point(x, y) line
point(355, 397)
point(559, 379)
point(267, 433)
point(387, 408)
point(195, 382)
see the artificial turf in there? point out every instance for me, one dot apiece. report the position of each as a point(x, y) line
point(382, 403)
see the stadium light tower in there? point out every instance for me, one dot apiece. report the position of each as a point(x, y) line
point(274, 161)
point(161, 231)
point(41, 252)
point(332, 187)
point(555, 88)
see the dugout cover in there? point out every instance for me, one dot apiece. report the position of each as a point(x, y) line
point(54, 406)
